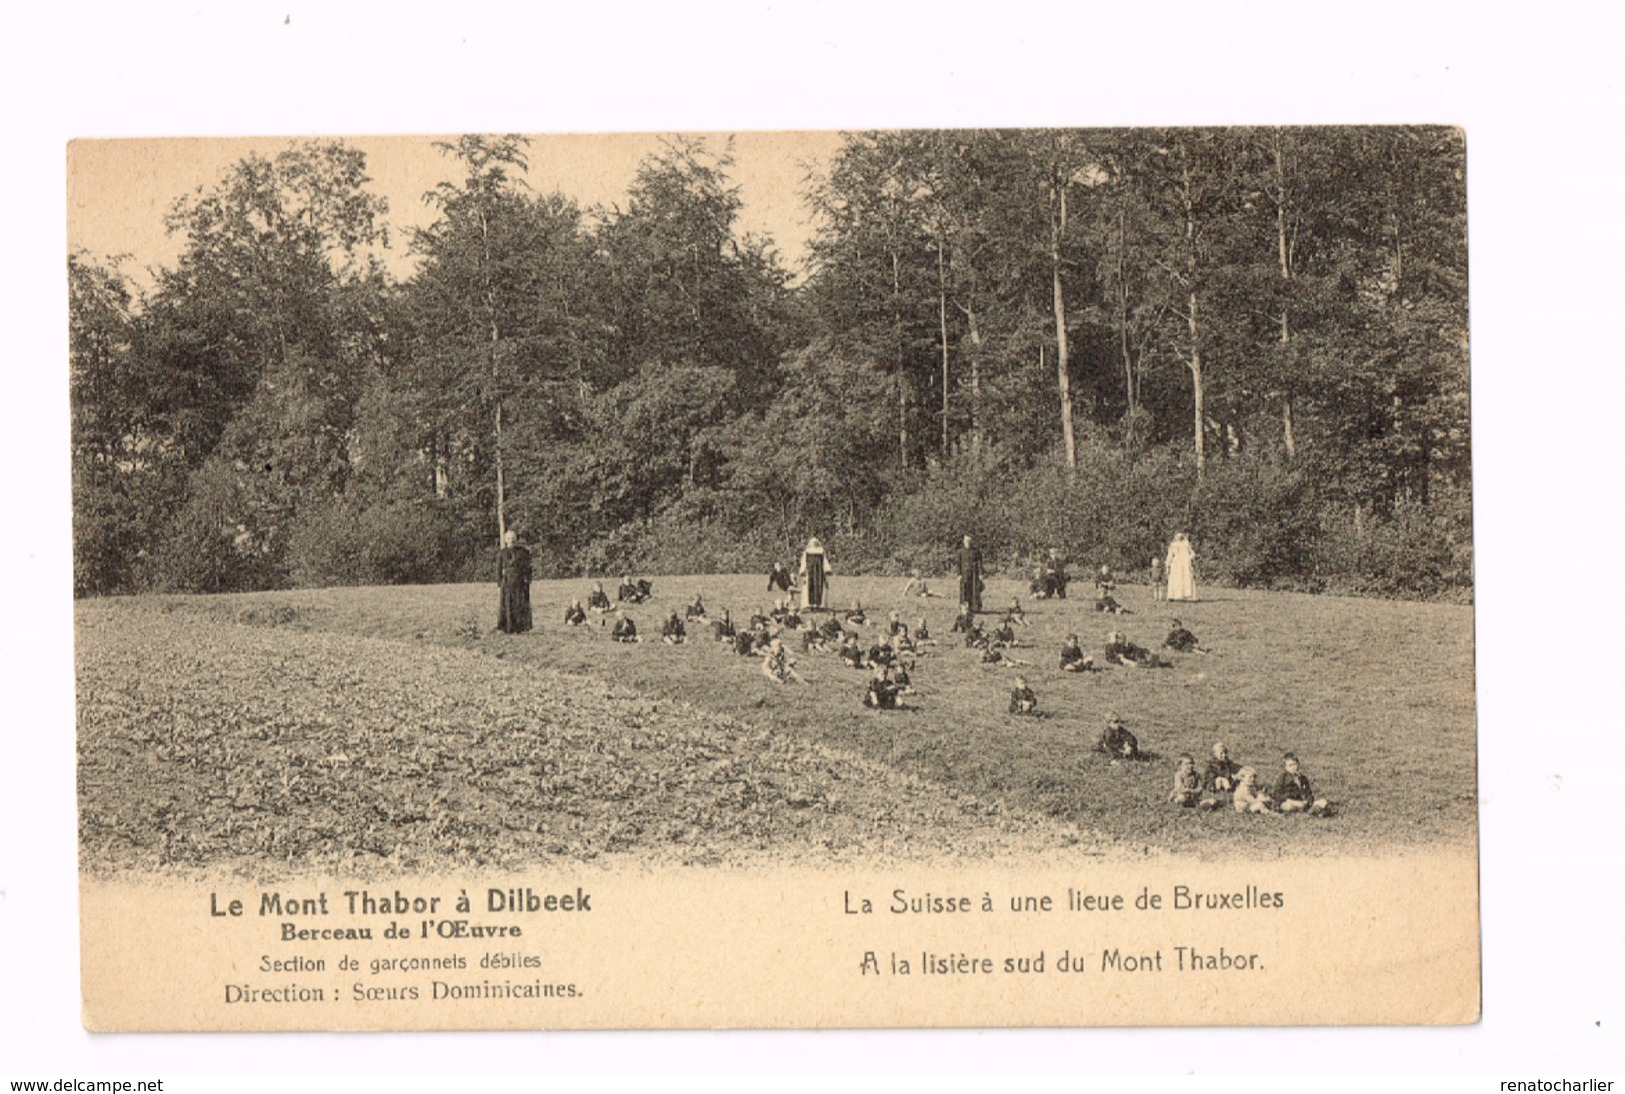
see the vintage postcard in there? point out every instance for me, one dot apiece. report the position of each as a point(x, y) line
point(830, 579)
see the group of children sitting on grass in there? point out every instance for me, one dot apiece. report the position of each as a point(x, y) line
point(1225, 779)
point(889, 652)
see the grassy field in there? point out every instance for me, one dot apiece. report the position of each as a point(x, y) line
point(392, 727)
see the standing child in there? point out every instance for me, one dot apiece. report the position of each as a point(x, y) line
point(1159, 579)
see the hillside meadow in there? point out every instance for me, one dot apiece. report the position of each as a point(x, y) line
point(389, 728)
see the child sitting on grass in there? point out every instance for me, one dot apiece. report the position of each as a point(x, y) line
point(922, 633)
point(1073, 659)
point(1022, 699)
point(882, 693)
point(777, 666)
point(1120, 651)
point(1219, 780)
point(598, 599)
point(1187, 789)
point(964, 621)
point(575, 615)
point(855, 615)
point(625, 630)
point(1249, 796)
point(850, 651)
point(723, 629)
point(916, 586)
point(1293, 793)
point(695, 610)
point(1116, 741)
point(673, 633)
point(1181, 640)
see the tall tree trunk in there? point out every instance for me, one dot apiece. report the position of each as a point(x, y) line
point(1131, 390)
point(975, 362)
point(1063, 376)
point(496, 374)
point(942, 324)
point(902, 379)
point(1192, 322)
point(1285, 252)
point(1195, 365)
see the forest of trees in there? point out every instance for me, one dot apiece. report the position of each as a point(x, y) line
point(1086, 339)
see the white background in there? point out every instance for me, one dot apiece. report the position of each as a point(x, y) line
point(1536, 88)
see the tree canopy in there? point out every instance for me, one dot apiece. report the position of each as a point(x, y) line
point(1083, 339)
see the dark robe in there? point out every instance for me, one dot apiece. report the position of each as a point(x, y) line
point(970, 577)
point(817, 579)
point(513, 581)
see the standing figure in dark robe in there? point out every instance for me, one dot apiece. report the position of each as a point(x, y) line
point(970, 576)
point(513, 580)
point(815, 569)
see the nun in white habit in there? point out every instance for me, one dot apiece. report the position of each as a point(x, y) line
point(815, 571)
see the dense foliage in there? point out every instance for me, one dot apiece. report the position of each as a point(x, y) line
point(1082, 339)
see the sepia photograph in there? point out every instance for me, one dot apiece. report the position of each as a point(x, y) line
point(1053, 543)
point(810, 542)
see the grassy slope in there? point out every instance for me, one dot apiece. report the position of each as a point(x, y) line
point(205, 743)
point(1376, 697)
